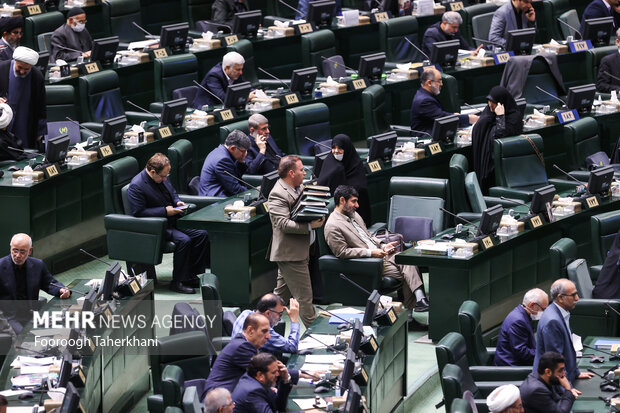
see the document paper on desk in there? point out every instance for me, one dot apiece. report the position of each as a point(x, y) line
point(324, 358)
point(307, 404)
point(310, 343)
point(341, 318)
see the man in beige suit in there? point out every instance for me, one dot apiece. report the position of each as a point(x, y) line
point(347, 237)
point(290, 243)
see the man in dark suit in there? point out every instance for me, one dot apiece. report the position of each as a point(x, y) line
point(554, 333)
point(597, 9)
point(547, 388)
point(263, 155)
point(12, 31)
point(446, 29)
point(254, 392)
point(229, 157)
point(516, 345)
point(425, 107)
point(72, 35)
point(610, 65)
point(223, 11)
point(514, 15)
point(228, 72)
point(151, 195)
point(21, 278)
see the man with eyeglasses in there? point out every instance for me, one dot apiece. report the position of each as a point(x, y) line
point(21, 278)
point(272, 307)
point(516, 345)
point(425, 107)
point(225, 160)
point(152, 195)
point(554, 333)
point(72, 35)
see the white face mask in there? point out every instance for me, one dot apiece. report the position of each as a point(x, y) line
point(78, 27)
point(339, 157)
point(536, 316)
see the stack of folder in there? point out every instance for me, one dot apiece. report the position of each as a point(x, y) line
point(311, 204)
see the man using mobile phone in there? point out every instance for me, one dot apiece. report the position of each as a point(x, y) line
point(263, 155)
point(514, 15)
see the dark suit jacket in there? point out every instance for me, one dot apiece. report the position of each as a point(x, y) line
point(435, 34)
point(611, 65)
point(215, 80)
point(231, 364)
point(260, 164)
point(425, 108)
point(6, 53)
point(250, 396)
point(146, 200)
point(552, 335)
point(213, 180)
point(37, 113)
point(223, 11)
point(516, 345)
point(594, 10)
point(65, 36)
point(537, 397)
point(504, 20)
point(38, 278)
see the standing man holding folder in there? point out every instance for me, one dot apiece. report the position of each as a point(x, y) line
point(290, 243)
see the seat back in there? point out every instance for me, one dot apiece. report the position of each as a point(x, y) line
point(470, 326)
point(593, 60)
point(191, 401)
point(414, 229)
point(195, 10)
point(604, 228)
point(44, 41)
point(334, 67)
point(212, 303)
point(426, 196)
point(469, 13)
point(557, 8)
point(317, 44)
point(173, 409)
point(460, 406)
point(458, 168)
point(561, 254)
point(241, 125)
point(580, 141)
point(449, 95)
point(125, 199)
point(308, 120)
point(245, 49)
point(181, 165)
point(517, 164)
point(481, 25)
point(569, 17)
point(118, 16)
point(157, 13)
point(60, 102)
point(188, 351)
point(539, 75)
point(474, 193)
point(174, 72)
point(116, 175)
point(452, 349)
point(188, 92)
point(416, 206)
point(579, 274)
point(392, 34)
point(100, 96)
point(374, 110)
point(172, 386)
point(189, 315)
point(38, 24)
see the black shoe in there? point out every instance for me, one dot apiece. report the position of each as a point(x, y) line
point(180, 288)
point(414, 325)
point(192, 282)
point(421, 306)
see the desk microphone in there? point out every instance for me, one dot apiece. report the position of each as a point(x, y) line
point(272, 76)
point(612, 356)
point(608, 379)
point(458, 217)
point(69, 49)
point(478, 110)
point(419, 131)
point(318, 143)
point(72, 291)
point(338, 63)
point(101, 261)
point(142, 29)
point(242, 181)
point(144, 110)
point(551, 94)
point(335, 349)
point(612, 76)
point(344, 326)
point(81, 127)
point(350, 281)
point(209, 92)
point(292, 8)
point(53, 351)
point(516, 201)
point(570, 27)
point(417, 48)
point(612, 309)
point(487, 41)
point(567, 174)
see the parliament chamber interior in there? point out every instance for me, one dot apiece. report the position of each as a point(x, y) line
point(484, 215)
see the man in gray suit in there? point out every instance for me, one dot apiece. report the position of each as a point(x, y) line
point(516, 14)
point(290, 243)
point(347, 237)
point(71, 37)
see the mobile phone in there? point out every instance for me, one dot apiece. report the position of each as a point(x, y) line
point(181, 207)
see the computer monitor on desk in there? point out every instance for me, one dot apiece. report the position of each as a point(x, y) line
point(354, 397)
point(113, 130)
point(371, 66)
point(489, 222)
point(247, 23)
point(542, 197)
point(445, 53)
point(598, 31)
point(319, 158)
point(104, 50)
point(174, 36)
point(581, 97)
point(173, 112)
point(302, 80)
point(269, 181)
point(237, 96)
point(71, 401)
point(521, 41)
point(600, 179)
point(66, 366)
point(445, 128)
point(110, 281)
point(382, 146)
point(321, 12)
point(347, 372)
point(56, 149)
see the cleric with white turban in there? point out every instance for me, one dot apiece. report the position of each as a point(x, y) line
point(505, 399)
point(23, 85)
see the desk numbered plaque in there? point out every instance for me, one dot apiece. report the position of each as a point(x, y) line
point(51, 170)
point(159, 53)
point(232, 39)
point(536, 222)
point(502, 58)
point(379, 17)
point(134, 286)
point(364, 374)
point(164, 132)
point(105, 151)
point(88, 68)
point(566, 116)
point(434, 148)
point(374, 166)
point(266, 206)
point(291, 98)
point(592, 202)
point(305, 28)
point(580, 46)
point(487, 243)
point(34, 9)
point(456, 5)
point(225, 114)
point(358, 84)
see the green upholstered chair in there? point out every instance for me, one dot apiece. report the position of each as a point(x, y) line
point(480, 25)
point(308, 120)
point(539, 75)
point(604, 228)
point(38, 24)
point(580, 141)
point(118, 16)
point(453, 388)
point(174, 409)
point(468, 13)
point(60, 102)
point(571, 18)
point(156, 13)
point(174, 72)
point(181, 173)
point(460, 406)
point(375, 112)
point(195, 10)
point(519, 170)
point(593, 60)
point(317, 44)
point(555, 9)
point(172, 387)
point(561, 253)
point(449, 96)
point(392, 41)
point(244, 48)
point(44, 41)
point(471, 329)
point(458, 168)
point(579, 274)
point(212, 305)
point(191, 399)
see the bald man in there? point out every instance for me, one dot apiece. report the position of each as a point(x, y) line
point(21, 278)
